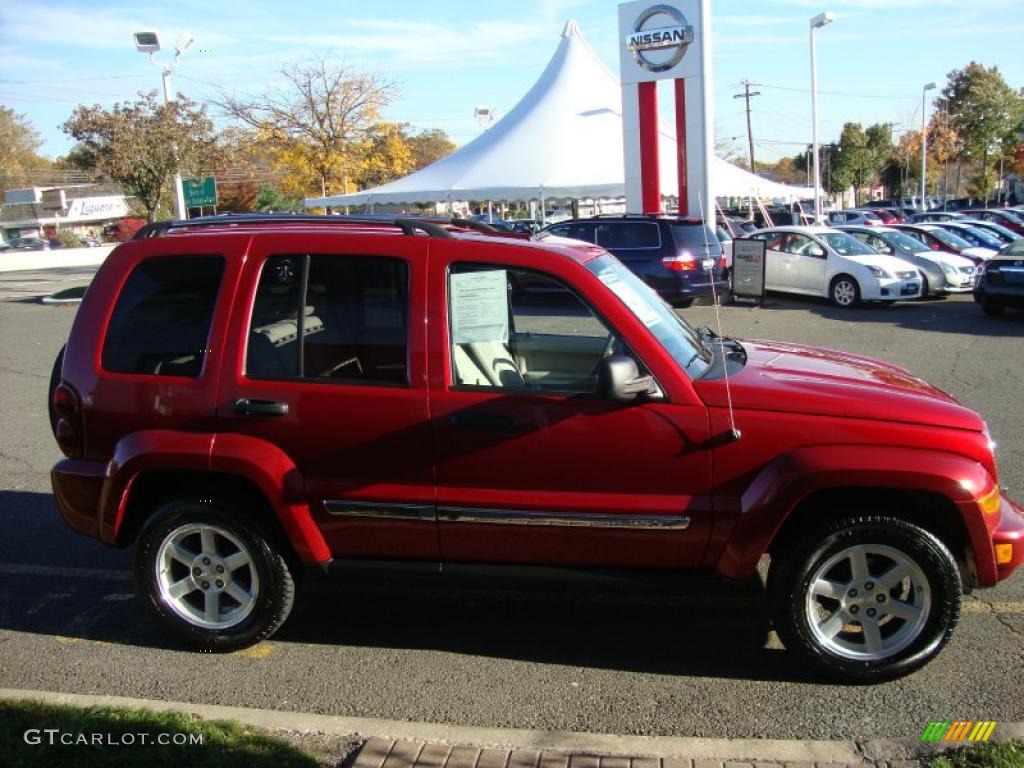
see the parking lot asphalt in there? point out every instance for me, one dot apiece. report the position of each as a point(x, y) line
point(693, 664)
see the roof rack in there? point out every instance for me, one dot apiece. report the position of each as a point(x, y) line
point(408, 225)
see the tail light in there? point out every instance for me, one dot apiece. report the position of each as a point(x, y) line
point(684, 262)
point(68, 430)
point(722, 262)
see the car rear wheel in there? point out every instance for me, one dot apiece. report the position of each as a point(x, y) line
point(215, 578)
point(865, 598)
point(993, 310)
point(844, 291)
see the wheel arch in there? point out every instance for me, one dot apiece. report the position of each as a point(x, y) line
point(151, 465)
point(933, 489)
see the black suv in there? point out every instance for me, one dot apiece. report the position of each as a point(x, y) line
point(679, 258)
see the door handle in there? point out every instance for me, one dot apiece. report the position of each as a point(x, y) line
point(243, 406)
point(494, 422)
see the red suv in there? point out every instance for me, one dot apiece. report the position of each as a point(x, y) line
point(248, 400)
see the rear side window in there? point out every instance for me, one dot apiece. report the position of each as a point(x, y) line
point(628, 235)
point(161, 322)
point(330, 318)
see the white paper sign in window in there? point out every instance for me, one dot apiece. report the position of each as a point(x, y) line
point(479, 306)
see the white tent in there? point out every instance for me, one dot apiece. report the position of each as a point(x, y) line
point(563, 140)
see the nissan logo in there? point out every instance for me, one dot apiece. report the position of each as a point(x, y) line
point(659, 48)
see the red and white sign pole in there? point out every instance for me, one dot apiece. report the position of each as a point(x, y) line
point(661, 41)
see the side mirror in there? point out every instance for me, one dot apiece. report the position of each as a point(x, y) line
point(618, 378)
point(816, 251)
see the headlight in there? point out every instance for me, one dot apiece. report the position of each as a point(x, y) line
point(878, 272)
point(947, 268)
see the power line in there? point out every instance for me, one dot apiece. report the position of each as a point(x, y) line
point(836, 93)
point(750, 136)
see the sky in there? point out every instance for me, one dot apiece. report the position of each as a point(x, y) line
point(447, 57)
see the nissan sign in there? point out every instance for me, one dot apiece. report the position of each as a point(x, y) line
point(659, 38)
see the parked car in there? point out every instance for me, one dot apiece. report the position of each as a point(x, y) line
point(319, 424)
point(939, 239)
point(822, 261)
point(943, 272)
point(725, 240)
point(932, 216)
point(91, 241)
point(886, 216)
point(976, 236)
point(1007, 217)
point(868, 218)
point(1005, 234)
point(680, 258)
point(1001, 281)
point(30, 244)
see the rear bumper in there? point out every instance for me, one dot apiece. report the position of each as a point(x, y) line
point(78, 489)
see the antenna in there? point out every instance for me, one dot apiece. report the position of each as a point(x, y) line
point(734, 433)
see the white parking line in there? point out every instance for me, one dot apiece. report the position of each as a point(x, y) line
point(26, 569)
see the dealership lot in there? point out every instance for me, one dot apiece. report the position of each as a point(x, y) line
point(681, 665)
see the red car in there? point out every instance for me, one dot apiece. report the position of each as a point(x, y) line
point(247, 401)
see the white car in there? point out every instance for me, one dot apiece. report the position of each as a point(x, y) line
point(943, 272)
point(821, 261)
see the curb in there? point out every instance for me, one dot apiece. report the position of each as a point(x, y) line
point(761, 750)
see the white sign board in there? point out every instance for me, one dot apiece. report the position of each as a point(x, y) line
point(96, 208)
point(748, 264)
point(479, 306)
point(660, 40)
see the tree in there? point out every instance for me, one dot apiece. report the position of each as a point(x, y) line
point(325, 112)
point(429, 146)
point(141, 144)
point(385, 156)
point(19, 146)
point(983, 111)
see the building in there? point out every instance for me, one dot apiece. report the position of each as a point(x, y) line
point(81, 208)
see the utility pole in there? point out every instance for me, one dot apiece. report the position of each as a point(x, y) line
point(747, 93)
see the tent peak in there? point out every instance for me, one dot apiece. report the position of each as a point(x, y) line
point(572, 29)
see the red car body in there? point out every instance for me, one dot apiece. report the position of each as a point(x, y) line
point(811, 420)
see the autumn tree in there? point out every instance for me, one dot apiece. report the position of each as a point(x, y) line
point(19, 147)
point(983, 110)
point(429, 146)
point(141, 144)
point(317, 121)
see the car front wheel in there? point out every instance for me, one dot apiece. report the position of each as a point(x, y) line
point(844, 291)
point(865, 599)
point(215, 578)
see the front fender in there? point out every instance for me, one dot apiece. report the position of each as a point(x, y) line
point(783, 483)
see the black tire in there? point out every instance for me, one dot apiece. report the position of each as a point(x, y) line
point(993, 310)
point(913, 642)
point(55, 372)
point(844, 291)
point(272, 585)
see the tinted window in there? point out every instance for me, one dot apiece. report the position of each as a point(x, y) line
point(584, 232)
point(628, 234)
point(352, 325)
point(695, 237)
point(161, 322)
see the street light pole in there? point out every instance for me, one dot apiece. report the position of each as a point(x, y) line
point(149, 42)
point(817, 22)
point(924, 143)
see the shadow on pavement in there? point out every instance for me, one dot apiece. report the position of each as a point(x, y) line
point(689, 632)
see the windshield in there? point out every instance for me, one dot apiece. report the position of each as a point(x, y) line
point(673, 333)
point(948, 238)
point(980, 237)
point(846, 245)
point(904, 242)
